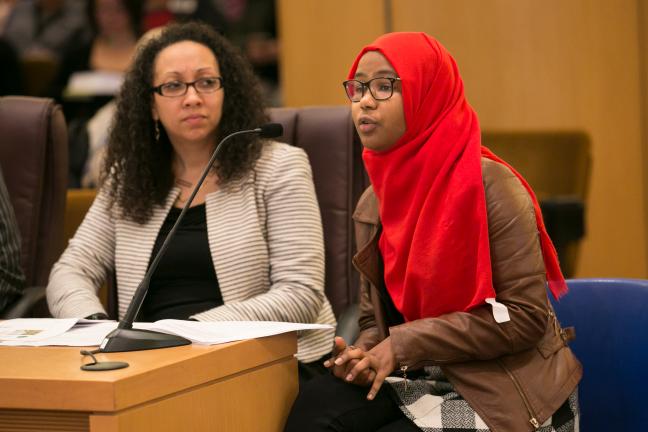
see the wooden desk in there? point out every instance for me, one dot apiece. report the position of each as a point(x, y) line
point(240, 386)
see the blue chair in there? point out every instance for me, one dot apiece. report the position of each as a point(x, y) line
point(611, 321)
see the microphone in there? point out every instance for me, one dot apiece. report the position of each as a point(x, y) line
point(125, 337)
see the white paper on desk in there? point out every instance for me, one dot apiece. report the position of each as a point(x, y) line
point(92, 333)
point(34, 329)
point(82, 334)
point(217, 332)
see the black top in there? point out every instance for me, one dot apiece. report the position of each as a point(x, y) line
point(185, 281)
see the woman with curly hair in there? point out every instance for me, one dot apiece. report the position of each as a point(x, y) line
point(250, 246)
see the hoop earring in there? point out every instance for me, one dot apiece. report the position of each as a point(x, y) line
point(157, 131)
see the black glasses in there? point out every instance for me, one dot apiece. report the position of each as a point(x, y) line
point(179, 88)
point(380, 88)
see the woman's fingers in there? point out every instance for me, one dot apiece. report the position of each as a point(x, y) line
point(364, 378)
point(349, 353)
point(339, 345)
point(342, 371)
point(377, 383)
point(361, 366)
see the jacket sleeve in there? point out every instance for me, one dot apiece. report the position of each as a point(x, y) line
point(12, 279)
point(518, 279)
point(82, 268)
point(366, 230)
point(295, 246)
point(369, 335)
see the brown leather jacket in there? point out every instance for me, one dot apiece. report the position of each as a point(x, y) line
point(516, 374)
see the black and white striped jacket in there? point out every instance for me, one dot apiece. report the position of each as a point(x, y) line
point(265, 237)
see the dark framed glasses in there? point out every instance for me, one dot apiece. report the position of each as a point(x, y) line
point(179, 88)
point(381, 88)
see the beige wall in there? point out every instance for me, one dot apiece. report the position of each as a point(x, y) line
point(319, 40)
point(527, 65)
point(643, 50)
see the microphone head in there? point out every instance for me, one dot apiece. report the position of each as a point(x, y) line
point(271, 130)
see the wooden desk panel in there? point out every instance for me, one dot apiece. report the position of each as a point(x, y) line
point(247, 385)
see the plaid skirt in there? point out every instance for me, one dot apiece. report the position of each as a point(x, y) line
point(434, 406)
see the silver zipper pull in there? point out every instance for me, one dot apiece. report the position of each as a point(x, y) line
point(403, 370)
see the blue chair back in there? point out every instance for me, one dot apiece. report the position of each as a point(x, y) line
point(611, 321)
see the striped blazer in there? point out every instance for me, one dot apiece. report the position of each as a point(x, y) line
point(265, 238)
point(12, 279)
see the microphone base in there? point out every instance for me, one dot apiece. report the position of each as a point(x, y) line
point(120, 340)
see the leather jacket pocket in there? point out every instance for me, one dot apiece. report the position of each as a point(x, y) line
point(549, 345)
point(555, 336)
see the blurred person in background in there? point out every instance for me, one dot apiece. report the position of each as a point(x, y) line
point(156, 14)
point(10, 75)
point(5, 9)
point(116, 26)
point(250, 25)
point(86, 169)
point(92, 70)
point(45, 28)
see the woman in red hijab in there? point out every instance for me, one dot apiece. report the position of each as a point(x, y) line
point(456, 328)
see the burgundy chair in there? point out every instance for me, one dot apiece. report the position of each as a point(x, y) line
point(328, 136)
point(34, 160)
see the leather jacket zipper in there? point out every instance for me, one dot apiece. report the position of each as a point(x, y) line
point(403, 370)
point(533, 420)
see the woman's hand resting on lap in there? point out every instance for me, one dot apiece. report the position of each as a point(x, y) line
point(360, 367)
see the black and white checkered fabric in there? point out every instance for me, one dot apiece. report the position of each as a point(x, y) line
point(433, 405)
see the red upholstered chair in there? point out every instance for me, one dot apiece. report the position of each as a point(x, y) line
point(34, 159)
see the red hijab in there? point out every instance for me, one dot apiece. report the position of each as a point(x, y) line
point(435, 243)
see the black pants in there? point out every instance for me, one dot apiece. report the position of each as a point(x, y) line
point(308, 371)
point(326, 403)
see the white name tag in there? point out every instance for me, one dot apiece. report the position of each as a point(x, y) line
point(500, 312)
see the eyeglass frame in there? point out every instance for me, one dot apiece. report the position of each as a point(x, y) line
point(158, 89)
point(365, 86)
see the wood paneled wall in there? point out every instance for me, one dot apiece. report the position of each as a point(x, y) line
point(643, 56)
point(527, 65)
point(319, 40)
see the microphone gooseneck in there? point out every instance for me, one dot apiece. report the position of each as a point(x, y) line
point(125, 338)
point(271, 130)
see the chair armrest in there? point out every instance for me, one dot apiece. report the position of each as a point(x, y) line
point(23, 306)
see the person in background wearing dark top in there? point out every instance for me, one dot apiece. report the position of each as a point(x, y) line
point(250, 247)
point(45, 27)
point(116, 27)
point(10, 75)
point(456, 328)
point(250, 25)
point(12, 279)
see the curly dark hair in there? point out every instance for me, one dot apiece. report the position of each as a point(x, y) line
point(138, 169)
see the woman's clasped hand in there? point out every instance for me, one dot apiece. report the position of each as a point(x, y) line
point(360, 367)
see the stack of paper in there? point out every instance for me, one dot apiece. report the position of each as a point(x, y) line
point(75, 332)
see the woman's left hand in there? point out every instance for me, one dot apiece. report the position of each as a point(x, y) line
point(381, 360)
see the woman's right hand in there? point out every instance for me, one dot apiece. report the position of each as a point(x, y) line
point(344, 358)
